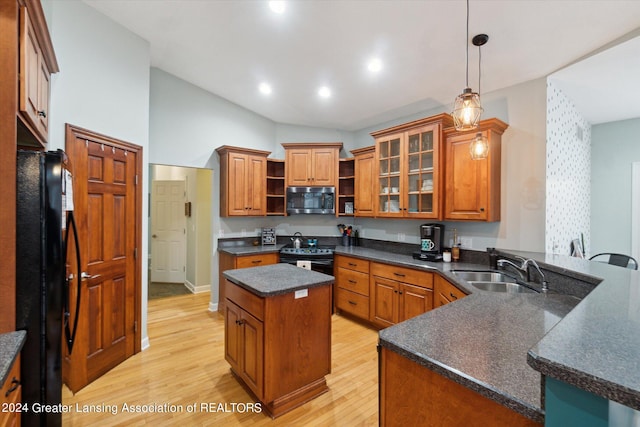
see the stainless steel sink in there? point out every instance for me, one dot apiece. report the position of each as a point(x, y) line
point(502, 287)
point(492, 281)
point(483, 276)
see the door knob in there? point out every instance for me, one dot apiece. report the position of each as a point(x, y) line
point(154, 235)
point(86, 275)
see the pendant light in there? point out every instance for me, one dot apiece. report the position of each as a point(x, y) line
point(479, 148)
point(467, 108)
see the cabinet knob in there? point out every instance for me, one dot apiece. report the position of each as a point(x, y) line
point(481, 209)
point(42, 113)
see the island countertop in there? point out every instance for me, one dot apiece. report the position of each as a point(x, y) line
point(276, 279)
point(10, 345)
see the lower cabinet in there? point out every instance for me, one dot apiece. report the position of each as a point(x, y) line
point(399, 293)
point(10, 397)
point(244, 347)
point(352, 286)
point(279, 346)
point(413, 395)
point(227, 261)
point(445, 292)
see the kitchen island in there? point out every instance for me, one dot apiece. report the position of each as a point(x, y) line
point(278, 333)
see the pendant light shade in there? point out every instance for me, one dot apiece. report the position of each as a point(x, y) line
point(479, 148)
point(467, 110)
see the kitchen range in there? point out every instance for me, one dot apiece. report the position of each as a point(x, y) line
point(320, 258)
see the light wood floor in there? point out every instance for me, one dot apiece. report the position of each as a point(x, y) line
point(185, 365)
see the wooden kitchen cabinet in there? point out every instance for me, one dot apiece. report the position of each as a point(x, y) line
point(445, 292)
point(346, 186)
point(37, 63)
point(399, 293)
point(408, 167)
point(244, 346)
point(352, 286)
point(472, 187)
point(243, 178)
point(411, 395)
point(364, 197)
point(227, 261)
point(279, 345)
point(10, 397)
point(312, 164)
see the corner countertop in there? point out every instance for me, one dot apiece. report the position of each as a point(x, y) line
point(276, 279)
point(244, 249)
point(10, 345)
point(480, 341)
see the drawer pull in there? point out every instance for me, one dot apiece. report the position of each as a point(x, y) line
point(353, 264)
point(353, 303)
point(239, 322)
point(399, 274)
point(256, 261)
point(353, 281)
point(15, 383)
point(452, 295)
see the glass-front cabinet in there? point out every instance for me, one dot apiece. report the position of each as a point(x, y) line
point(409, 168)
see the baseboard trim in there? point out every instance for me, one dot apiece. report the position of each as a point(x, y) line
point(213, 306)
point(196, 289)
point(145, 343)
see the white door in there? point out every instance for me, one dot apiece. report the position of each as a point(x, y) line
point(168, 231)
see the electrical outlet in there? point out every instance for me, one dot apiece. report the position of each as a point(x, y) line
point(243, 232)
point(465, 242)
point(401, 237)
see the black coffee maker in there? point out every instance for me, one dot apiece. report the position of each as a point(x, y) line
point(431, 242)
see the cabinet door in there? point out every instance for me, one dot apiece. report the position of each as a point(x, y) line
point(323, 167)
point(364, 178)
point(256, 196)
point(298, 165)
point(43, 98)
point(467, 185)
point(414, 300)
point(232, 342)
point(29, 68)
point(421, 196)
point(252, 350)
point(388, 176)
point(384, 305)
point(237, 184)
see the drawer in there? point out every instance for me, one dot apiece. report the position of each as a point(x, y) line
point(256, 260)
point(244, 299)
point(352, 303)
point(353, 281)
point(447, 290)
point(356, 264)
point(403, 274)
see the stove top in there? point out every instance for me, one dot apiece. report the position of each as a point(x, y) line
point(320, 251)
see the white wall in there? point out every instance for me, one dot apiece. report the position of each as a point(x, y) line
point(614, 147)
point(568, 174)
point(103, 85)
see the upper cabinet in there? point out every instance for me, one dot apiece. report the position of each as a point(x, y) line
point(409, 169)
point(312, 164)
point(472, 187)
point(243, 179)
point(365, 170)
point(37, 63)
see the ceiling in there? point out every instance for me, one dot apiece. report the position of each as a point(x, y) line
point(229, 47)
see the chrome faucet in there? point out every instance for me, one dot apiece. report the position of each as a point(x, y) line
point(524, 269)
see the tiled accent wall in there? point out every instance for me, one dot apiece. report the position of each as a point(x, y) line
point(568, 174)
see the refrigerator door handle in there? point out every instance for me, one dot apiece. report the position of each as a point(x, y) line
point(70, 334)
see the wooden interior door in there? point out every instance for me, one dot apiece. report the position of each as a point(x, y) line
point(107, 199)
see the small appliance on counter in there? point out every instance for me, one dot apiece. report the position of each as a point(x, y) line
point(431, 242)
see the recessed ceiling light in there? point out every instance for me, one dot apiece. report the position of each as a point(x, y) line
point(375, 65)
point(324, 92)
point(277, 6)
point(265, 88)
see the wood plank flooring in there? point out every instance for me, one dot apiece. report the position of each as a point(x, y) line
point(185, 365)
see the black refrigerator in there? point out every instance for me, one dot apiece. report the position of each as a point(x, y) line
point(42, 305)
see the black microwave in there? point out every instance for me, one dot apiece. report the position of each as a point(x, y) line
point(311, 200)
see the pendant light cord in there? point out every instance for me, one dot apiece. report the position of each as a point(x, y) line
point(467, 44)
point(479, 67)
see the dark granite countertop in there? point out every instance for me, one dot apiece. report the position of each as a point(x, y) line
point(249, 249)
point(10, 345)
point(276, 279)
